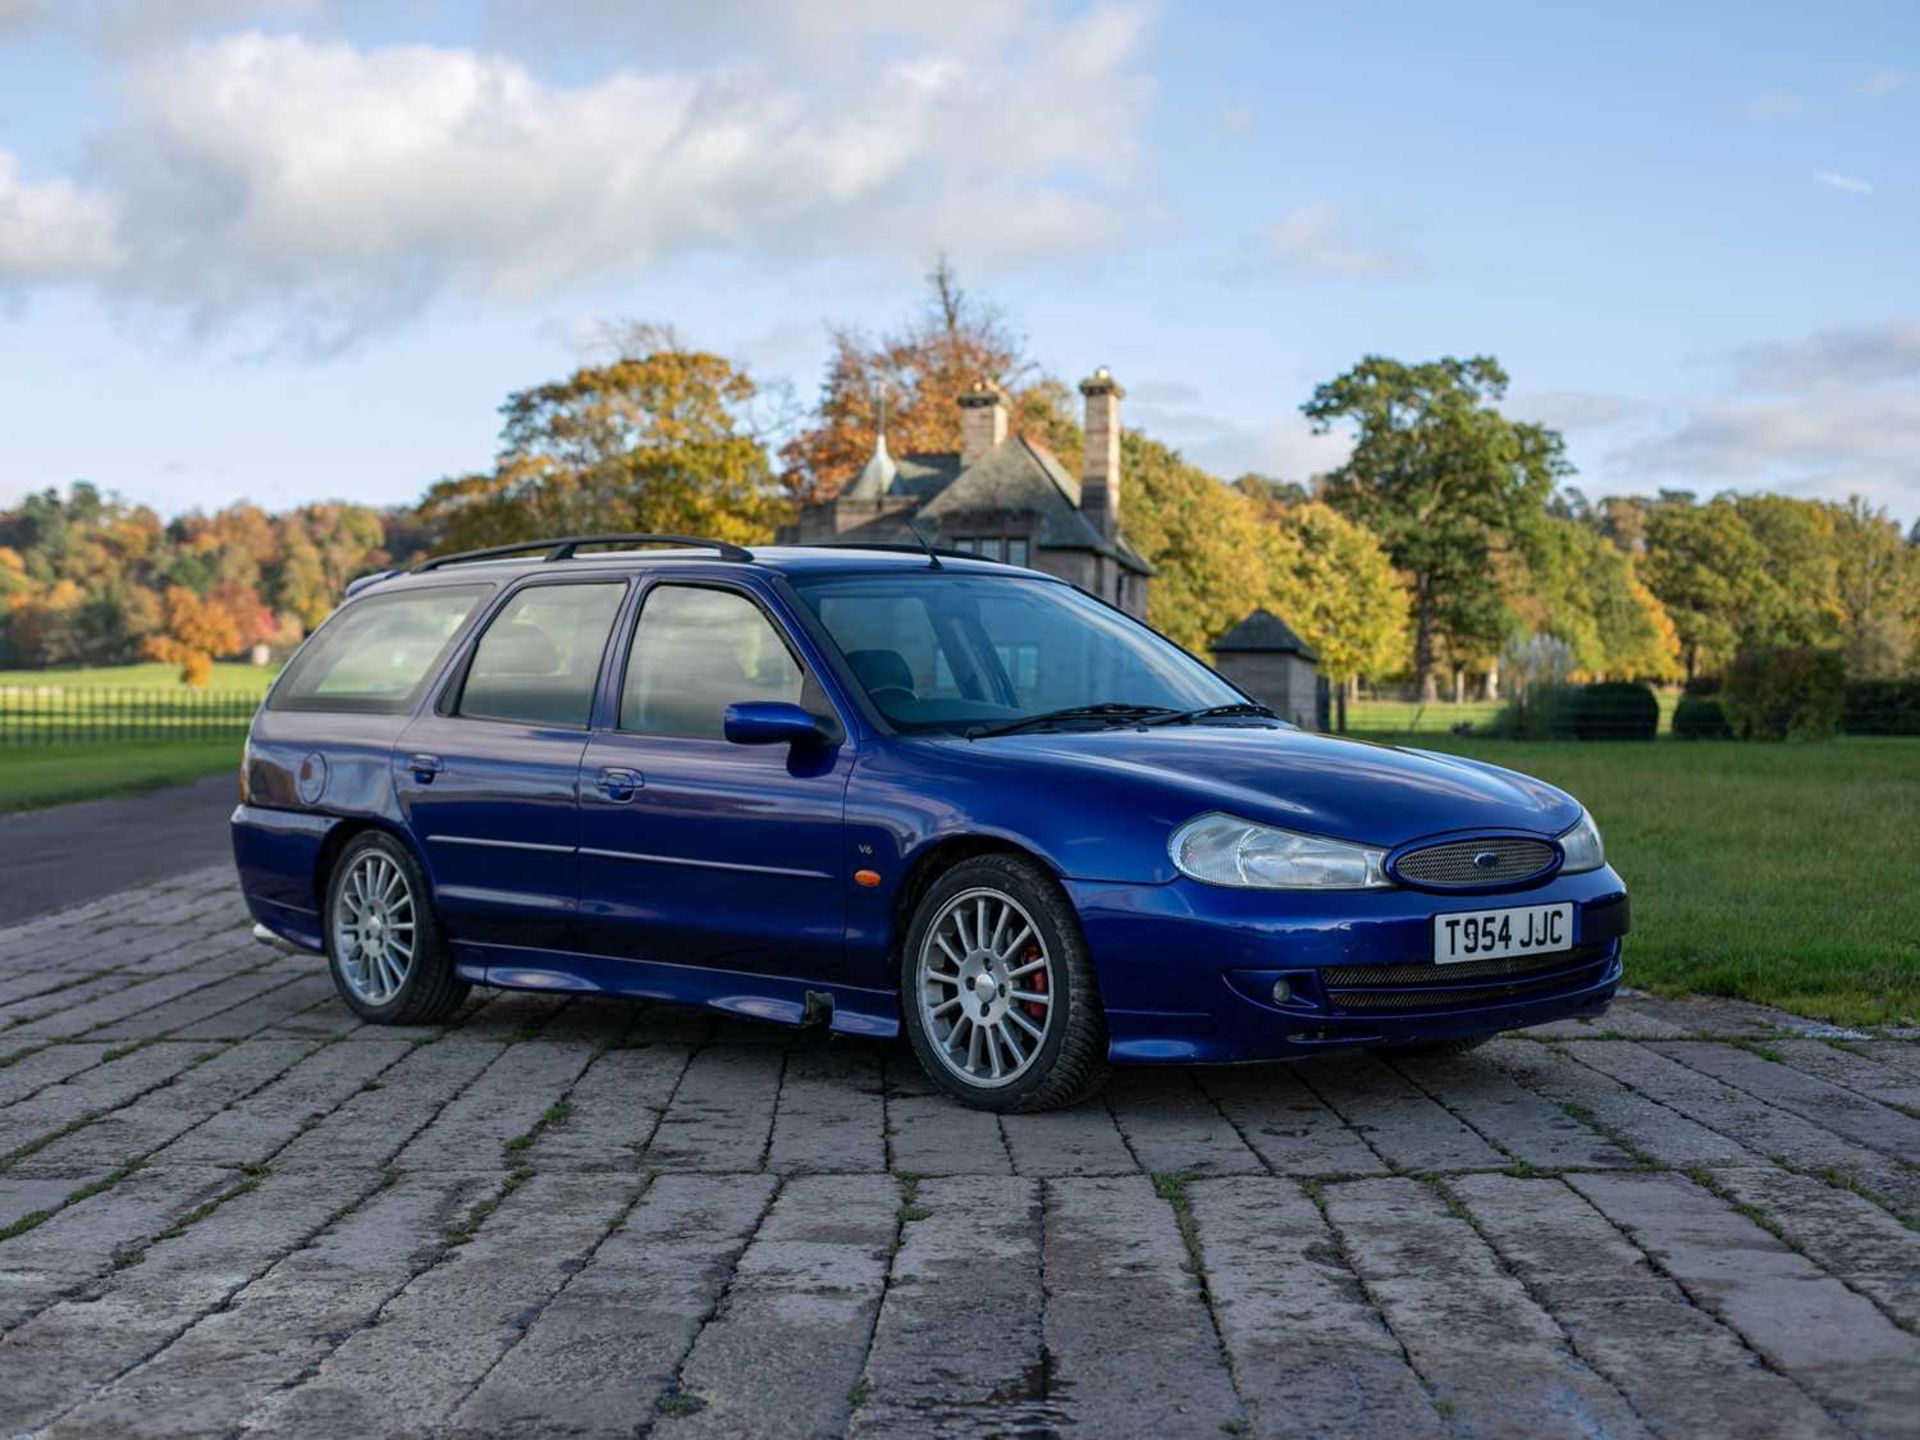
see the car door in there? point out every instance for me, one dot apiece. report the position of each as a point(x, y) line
point(695, 850)
point(487, 779)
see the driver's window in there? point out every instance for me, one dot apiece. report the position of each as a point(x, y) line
point(695, 652)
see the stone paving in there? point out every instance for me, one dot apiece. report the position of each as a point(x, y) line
point(227, 1208)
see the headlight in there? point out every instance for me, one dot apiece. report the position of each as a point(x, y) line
point(1582, 846)
point(1223, 850)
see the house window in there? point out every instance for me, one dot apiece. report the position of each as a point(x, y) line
point(1017, 552)
point(990, 547)
point(1120, 589)
point(964, 543)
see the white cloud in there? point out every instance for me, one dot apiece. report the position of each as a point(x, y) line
point(1852, 184)
point(275, 176)
point(52, 231)
point(1318, 237)
point(1828, 415)
point(1884, 82)
point(1861, 355)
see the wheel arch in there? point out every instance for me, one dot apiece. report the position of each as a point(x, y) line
point(342, 835)
point(936, 859)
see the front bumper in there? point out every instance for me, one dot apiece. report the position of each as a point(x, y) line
point(1187, 971)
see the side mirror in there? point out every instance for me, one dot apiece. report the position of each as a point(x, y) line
point(776, 722)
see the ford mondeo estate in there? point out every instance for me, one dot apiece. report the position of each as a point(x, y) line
point(885, 790)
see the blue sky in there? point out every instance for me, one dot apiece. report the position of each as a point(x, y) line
point(289, 249)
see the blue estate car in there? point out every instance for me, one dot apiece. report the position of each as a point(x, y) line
point(875, 789)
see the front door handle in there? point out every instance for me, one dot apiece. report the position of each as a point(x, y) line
point(424, 767)
point(618, 783)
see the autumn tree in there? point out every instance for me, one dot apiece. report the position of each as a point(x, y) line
point(1442, 478)
point(194, 632)
point(1219, 553)
point(918, 373)
point(655, 440)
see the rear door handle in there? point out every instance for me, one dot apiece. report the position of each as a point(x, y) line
point(618, 783)
point(424, 768)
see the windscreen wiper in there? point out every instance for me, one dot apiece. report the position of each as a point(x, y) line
point(1113, 711)
point(1238, 710)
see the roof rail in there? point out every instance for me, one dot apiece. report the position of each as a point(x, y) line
point(898, 548)
point(562, 548)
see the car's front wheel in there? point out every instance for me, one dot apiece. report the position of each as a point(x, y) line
point(389, 960)
point(997, 990)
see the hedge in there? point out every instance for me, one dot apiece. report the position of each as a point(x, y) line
point(1699, 718)
point(1881, 707)
point(1616, 710)
point(1785, 694)
point(1611, 710)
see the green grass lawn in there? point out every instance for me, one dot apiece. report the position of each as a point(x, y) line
point(1404, 717)
point(228, 676)
point(33, 776)
point(1787, 874)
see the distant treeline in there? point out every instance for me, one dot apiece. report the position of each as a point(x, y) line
point(1450, 548)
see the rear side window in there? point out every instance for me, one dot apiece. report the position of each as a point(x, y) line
point(697, 651)
point(540, 657)
point(374, 656)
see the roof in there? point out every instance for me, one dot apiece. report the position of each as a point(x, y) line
point(1022, 476)
point(786, 559)
point(1264, 632)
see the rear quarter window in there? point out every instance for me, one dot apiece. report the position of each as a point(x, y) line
point(376, 655)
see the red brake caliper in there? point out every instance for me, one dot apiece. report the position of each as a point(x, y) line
point(1036, 982)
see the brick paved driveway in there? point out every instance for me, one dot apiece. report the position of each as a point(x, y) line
point(228, 1208)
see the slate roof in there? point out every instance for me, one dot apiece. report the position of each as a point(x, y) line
point(1023, 477)
point(1264, 632)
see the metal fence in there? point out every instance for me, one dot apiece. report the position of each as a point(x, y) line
point(46, 715)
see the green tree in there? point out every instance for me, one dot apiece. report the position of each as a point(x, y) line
point(656, 440)
point(1877, 587)
point(1711, 573)
point(1443, 479)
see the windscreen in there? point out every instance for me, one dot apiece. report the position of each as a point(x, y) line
point(937, 650)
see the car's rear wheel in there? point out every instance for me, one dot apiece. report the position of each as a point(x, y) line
point(997, 990)
point(389, 960)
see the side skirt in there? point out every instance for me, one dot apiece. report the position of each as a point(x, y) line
point(779, 998)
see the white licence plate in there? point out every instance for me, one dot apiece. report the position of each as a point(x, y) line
point(1491, 934)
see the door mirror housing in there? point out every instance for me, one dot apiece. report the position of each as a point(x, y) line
point(776, 722)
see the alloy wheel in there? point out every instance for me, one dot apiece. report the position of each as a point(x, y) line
point(986, 987)
point(373, 928)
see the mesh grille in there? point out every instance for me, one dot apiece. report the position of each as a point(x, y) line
point(1462, 972)
point(1455, 863)
point(1379, 1001)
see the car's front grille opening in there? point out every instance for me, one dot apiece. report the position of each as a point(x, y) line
point(1471, 864)
point(1372, 989)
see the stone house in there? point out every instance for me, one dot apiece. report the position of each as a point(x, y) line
point(1266, 659)
point(1002, 496)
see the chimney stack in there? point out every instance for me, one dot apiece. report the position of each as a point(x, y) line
point(1100, 478)
point(983, 420)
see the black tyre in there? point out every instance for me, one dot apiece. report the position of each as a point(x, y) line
point(997, 992)
point(1437, 1047)
point(390, 961)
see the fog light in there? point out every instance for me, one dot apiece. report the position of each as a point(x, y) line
point(1282, 992)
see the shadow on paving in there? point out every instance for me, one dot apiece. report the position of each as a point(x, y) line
point(227, 1207)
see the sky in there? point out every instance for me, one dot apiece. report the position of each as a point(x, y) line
point(285, 250)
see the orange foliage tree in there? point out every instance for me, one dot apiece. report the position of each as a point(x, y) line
point(194, 630)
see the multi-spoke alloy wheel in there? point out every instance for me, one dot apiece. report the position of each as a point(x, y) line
point(373, 928)
point(383, 938)
point(997, 991)
point(986, 987)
